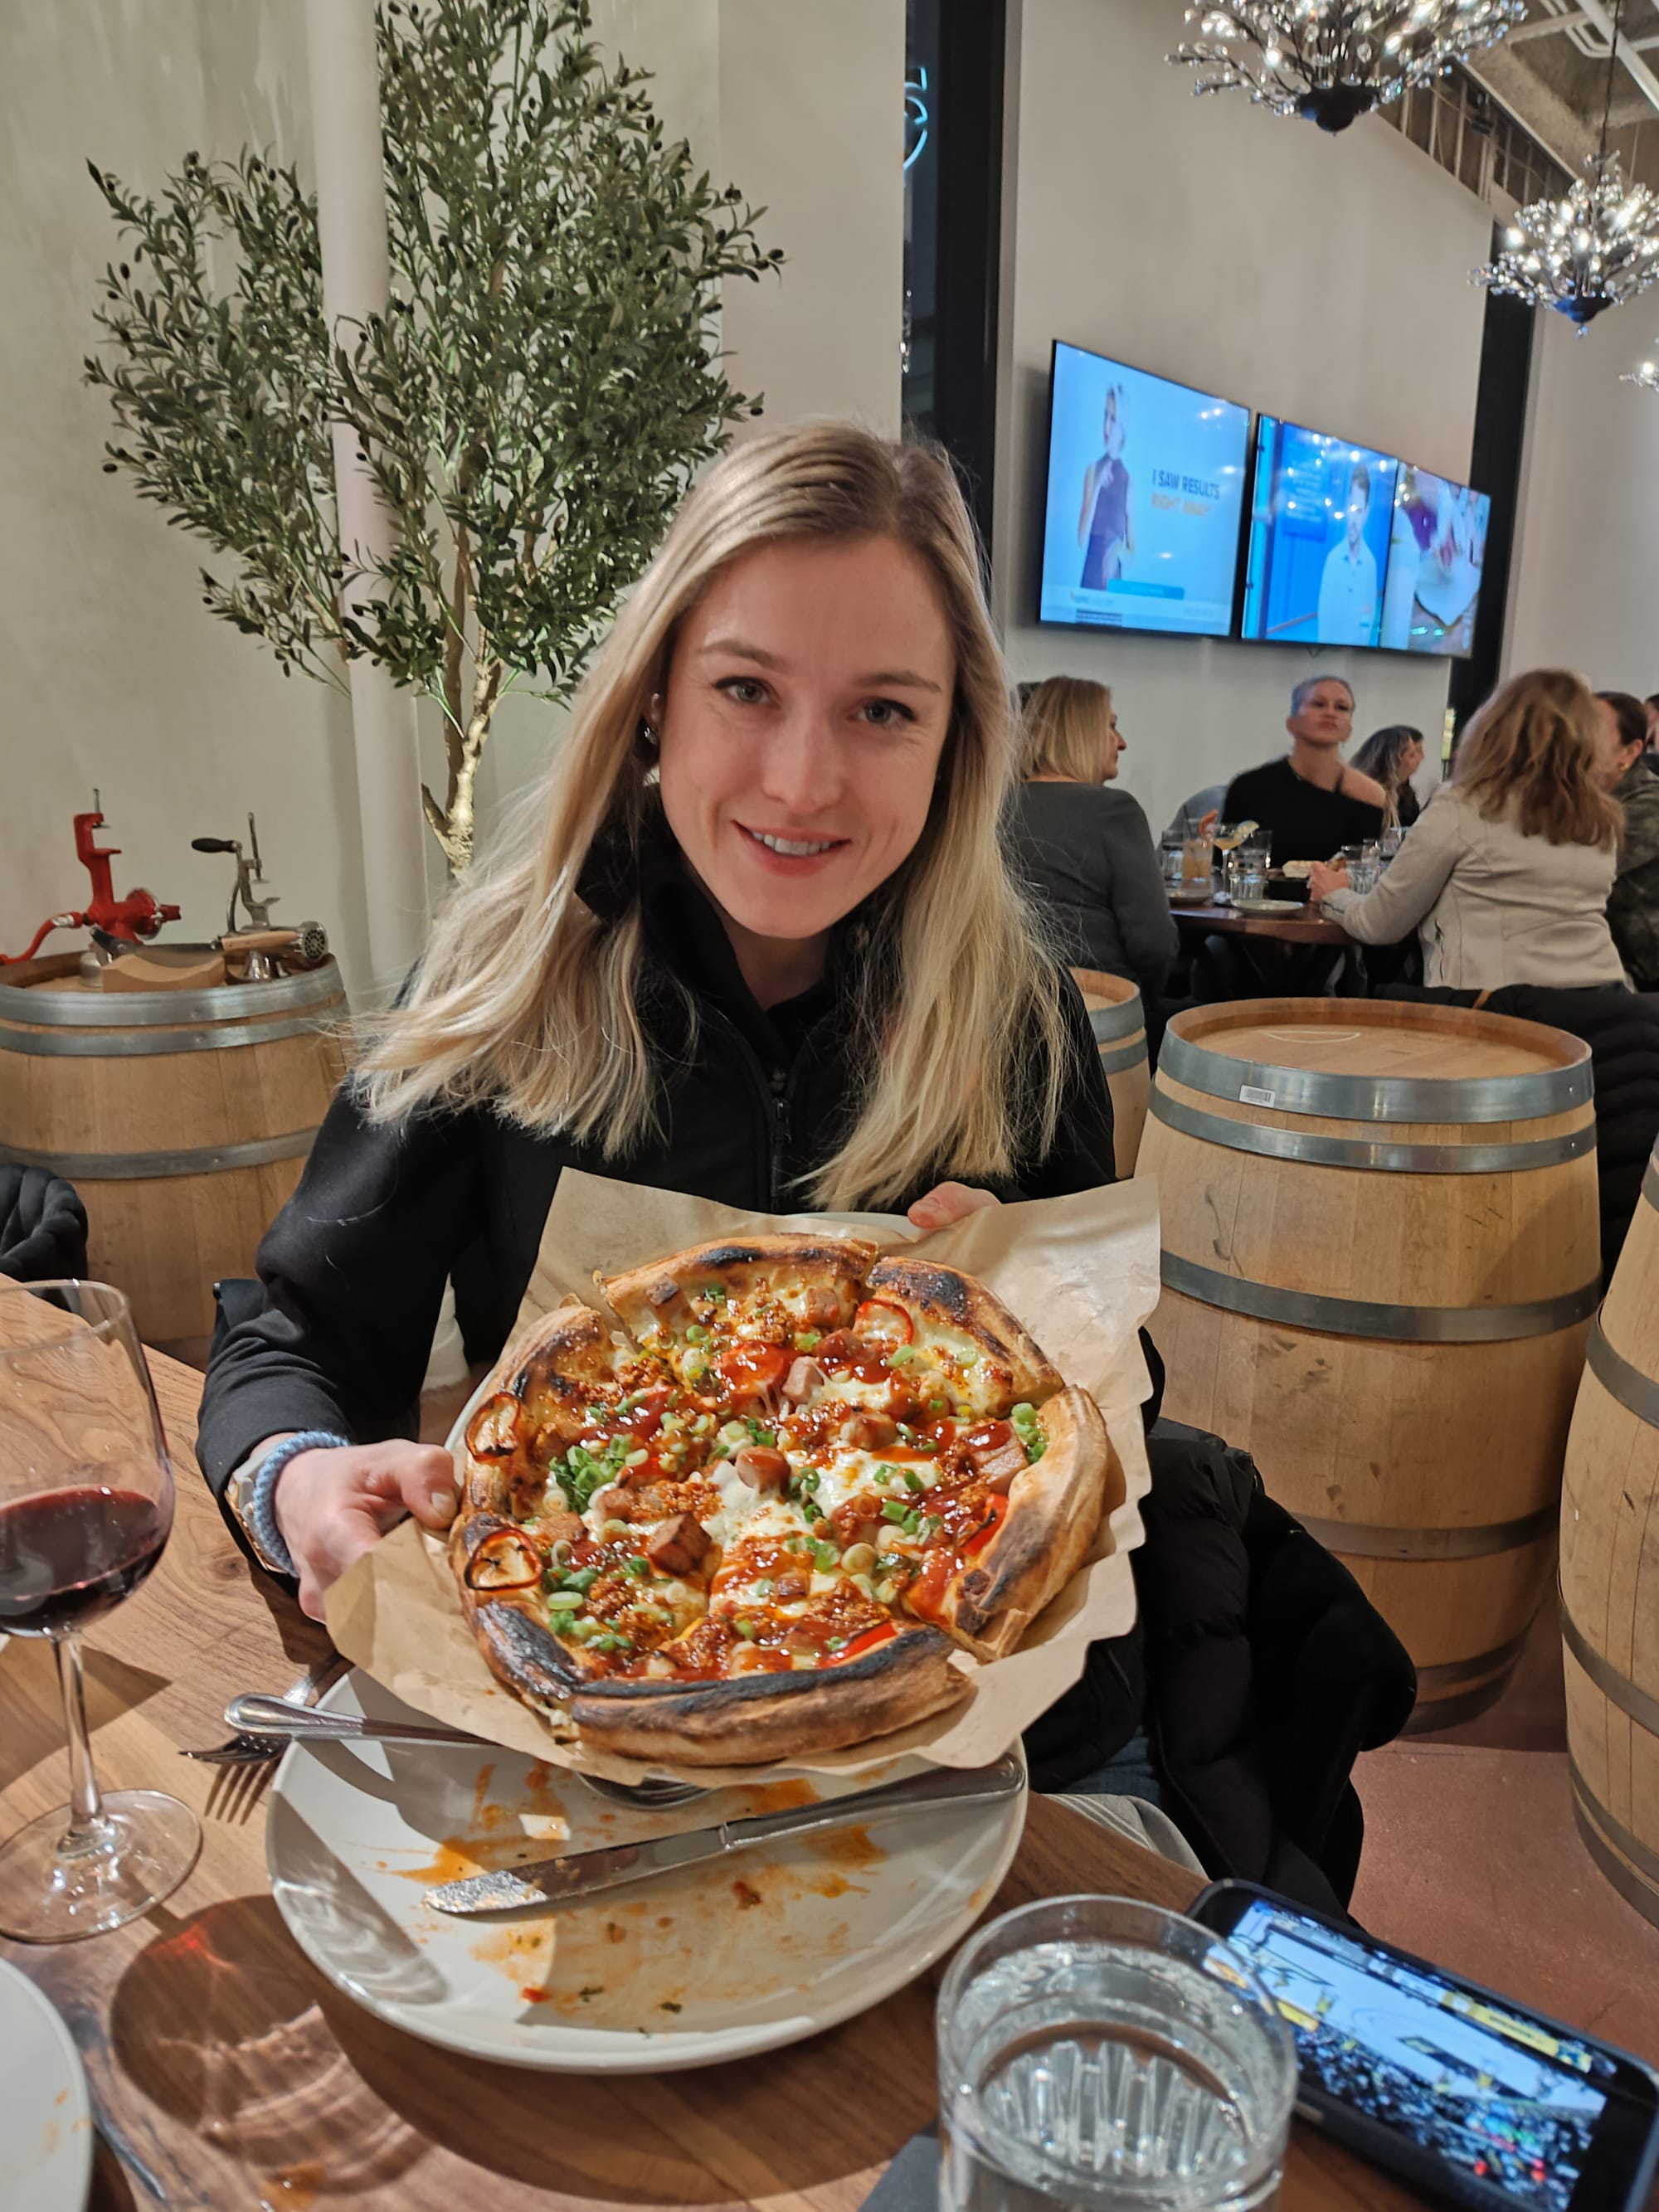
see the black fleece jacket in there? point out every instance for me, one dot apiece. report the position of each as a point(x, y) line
point(355, 1265)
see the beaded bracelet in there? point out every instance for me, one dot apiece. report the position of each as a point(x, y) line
point(261, 1508)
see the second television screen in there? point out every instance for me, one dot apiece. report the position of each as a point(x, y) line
point(1320, 517)
point(1145, 494)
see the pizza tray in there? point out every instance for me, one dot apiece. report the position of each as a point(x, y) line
point(1081, 1272)
point(711, 1962)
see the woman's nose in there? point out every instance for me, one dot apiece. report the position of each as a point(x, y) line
point(801, 767)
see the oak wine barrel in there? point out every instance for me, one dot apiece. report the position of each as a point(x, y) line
point(1610, 1573)
point(1380, 1243)
point(182, 1117)
point(1119, 1022)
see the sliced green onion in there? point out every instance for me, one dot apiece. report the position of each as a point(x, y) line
point(807, 1339)
point(825, 1556)
point(902, 1355)
point(563, 1601)
point(892, 1510)
point(695, 1332)
point(912, 1479)
point(746, 1629)
point(636, 1567)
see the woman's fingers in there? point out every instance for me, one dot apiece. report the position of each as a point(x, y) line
point(947, 1202)
point(334, 1504)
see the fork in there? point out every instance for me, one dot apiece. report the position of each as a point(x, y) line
point(245, 1748)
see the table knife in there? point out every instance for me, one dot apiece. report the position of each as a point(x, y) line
point(580, 1874)
point(265, 1716)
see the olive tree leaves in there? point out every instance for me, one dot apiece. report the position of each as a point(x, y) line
point(530, 407)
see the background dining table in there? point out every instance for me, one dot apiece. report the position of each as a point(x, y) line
point(1307, 926)
point(223, 2064)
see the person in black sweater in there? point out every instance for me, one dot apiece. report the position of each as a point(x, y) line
point(1310, 803)
point(1086, 851)
point(755, 939)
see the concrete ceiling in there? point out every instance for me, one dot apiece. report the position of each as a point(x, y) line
point(1551, 73)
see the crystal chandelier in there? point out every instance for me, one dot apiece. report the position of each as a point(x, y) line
point(1647, 376)
point(1332, 60)
point(1596, 248)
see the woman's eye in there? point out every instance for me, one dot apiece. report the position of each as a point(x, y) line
point(747, 691)
point(885, 713)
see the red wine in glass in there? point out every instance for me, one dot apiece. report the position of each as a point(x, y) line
point(86, 1506)
point(67, 1556)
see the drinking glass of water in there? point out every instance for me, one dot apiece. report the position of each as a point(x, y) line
point(1100, 2053)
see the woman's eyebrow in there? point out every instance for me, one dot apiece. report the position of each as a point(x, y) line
point(740, 649)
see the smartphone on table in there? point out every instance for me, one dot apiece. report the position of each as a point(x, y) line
point(1452, 2086)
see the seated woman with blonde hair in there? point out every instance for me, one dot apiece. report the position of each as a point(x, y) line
point(1086, 852)
point(1506, 873)
point(753, 938)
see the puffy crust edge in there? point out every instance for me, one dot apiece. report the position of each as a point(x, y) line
point(646, 1294)
point(1052, 1521)
point(747, 1720)
point(954, 1300)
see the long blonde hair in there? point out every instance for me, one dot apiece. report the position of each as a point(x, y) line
point(1534, 746)
point(1065, 730)
point(528, 1001)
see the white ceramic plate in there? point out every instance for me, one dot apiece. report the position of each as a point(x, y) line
point(46, 2121)
point(710, 1963)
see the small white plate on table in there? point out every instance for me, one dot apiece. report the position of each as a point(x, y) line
point(742, 1954)
point(46, 2119)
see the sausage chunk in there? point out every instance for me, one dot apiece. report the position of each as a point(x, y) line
point(678, 1545)
point(761, 1467)
point(802, 1379)
point(823, 1309)
point(871, 1431)
point(998, 1469)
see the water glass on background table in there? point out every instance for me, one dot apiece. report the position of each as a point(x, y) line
point(1366, 871)
point(86, 1507)
point(1169, 858)
point(1099, 2053)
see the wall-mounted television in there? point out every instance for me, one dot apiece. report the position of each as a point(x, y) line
point(1436, 557)
point(1322, 513)
point(1145, 501)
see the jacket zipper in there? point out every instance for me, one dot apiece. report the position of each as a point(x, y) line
point(776, 1087)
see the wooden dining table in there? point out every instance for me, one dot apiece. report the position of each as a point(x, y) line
point(1307, 926)
point(223, 2064)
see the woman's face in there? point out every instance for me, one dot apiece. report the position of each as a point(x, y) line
point(1411, 760)
point(1612, 756)
point(1116, 745)
point(806, 715)
point(1325, 716)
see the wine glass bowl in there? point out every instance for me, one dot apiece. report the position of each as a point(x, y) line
point(86, 1508)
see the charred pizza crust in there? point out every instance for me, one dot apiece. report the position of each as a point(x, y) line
point(1053, 1520)
point(661, 1296)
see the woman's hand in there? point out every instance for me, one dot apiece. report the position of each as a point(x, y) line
point(1324, 880)
point(947, 1202)
point(335, 1503)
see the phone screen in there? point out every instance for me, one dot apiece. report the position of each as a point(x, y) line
point(1500, 2097)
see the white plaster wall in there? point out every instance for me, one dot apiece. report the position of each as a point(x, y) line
point(118, 676)
point(1585, 586)
point(1323, 279)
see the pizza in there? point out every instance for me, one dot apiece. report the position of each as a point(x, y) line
point(759, 1518)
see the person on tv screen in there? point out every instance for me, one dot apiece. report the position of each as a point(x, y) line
point(1085, 849)
point(1103, 520)
point(1347, 590)
point(1633, 903)
point(1392, 757)
point(1506, 876)
point(1311, 803)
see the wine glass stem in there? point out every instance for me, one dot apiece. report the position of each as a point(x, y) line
point(88, 1827)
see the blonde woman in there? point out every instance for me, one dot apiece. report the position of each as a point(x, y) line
point(754, 939)
point(1506, 874)
point(1086, 850)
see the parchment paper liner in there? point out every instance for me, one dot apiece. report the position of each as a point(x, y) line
point(1081, 1272)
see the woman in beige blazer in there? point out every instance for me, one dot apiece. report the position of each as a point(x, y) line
point(1505, 876)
